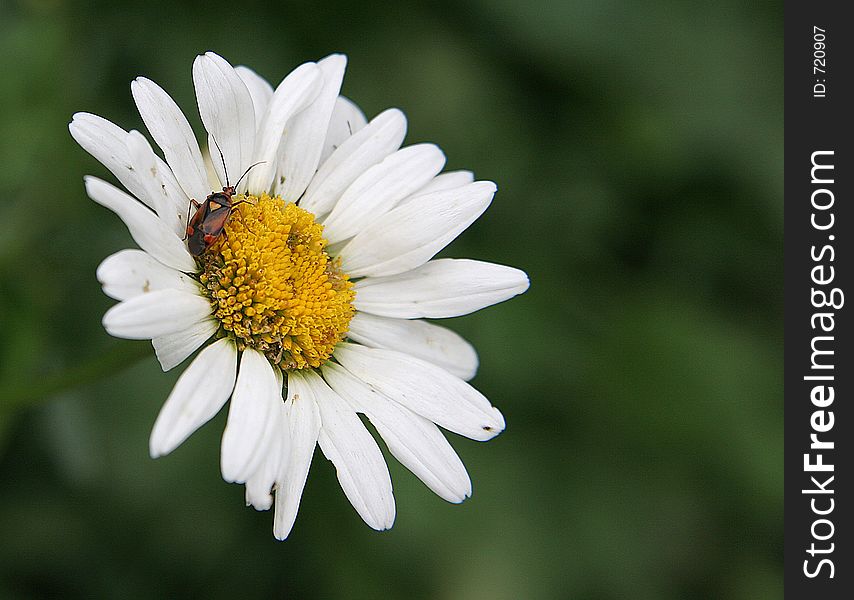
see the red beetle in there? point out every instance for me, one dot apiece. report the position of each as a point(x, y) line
point(209, 220)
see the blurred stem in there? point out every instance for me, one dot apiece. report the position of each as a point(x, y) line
point(25, 393)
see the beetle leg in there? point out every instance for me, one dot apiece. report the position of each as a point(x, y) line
point(240, 215)
point(197, 206)
point(244, 201)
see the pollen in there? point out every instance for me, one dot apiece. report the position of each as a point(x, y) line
point(273, 286)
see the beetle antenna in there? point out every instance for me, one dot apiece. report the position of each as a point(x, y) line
point(222, 158)
point(246, 171)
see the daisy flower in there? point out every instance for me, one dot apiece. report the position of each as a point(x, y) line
point(305, 284)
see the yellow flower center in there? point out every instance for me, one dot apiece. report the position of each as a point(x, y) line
point(273, 286)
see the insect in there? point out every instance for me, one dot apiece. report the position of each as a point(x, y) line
point(209, 220)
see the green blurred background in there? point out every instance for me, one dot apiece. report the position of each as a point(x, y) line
point(638, 151)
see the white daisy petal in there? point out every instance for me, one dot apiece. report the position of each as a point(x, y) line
point(294, 94)
point(152, 234)
point(172, 348)
point(151, 315)
point(212, 173)
point(425, 389)
point(380, 188)
point(358, 461)
point(144, 163)
point(303, 421)
point(445, 181)
point(259, 485)
point(266, 445)
point(175, 194)
point(129, 273)
point(305, 135)
point(347, 119)
point(259, 89)
point(198, 395)
point(165, 196)
point(283, 433)
point(415, 441)
point(439, 289)
point(251, 418)
point(365, 148)
point(107, 143)
point(170, 129)
point(410, 235)
point(421, 339)
point(227, 112)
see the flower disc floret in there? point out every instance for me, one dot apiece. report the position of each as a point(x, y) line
point(273, 286)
